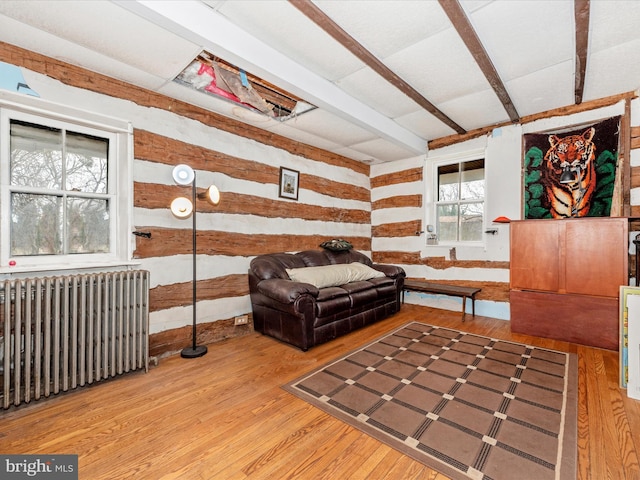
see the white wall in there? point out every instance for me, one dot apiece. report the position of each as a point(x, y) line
point(170, 269)
point(503, 173)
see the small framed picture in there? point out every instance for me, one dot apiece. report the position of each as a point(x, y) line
point(289, 183)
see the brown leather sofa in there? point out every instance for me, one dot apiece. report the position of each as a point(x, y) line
point(304, 315)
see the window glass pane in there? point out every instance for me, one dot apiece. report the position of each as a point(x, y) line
point(86, 163)
point(448, 183)
point(36, 155)
point(36, 224)
point(472, 180)
point(471, 222)
point(460, 203)
point(88, 225)
point(447, 223)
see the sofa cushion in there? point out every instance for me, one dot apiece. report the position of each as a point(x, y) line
point(363, 298)
point(333, 275)
point(353, 287)
point(331, 292)
point(382, 281)
point(333, 306)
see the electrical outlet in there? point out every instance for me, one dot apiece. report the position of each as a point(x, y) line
point(241, 320)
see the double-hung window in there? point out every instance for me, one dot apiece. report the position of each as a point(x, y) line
point(460, 201)
point(65, 189)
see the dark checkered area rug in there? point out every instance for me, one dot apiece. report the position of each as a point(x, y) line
point(468, 406)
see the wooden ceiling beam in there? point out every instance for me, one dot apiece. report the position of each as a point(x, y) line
point(463, 26)
point(318, 17)
point(582, 9)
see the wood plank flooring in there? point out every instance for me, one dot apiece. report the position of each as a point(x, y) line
point(224, 416)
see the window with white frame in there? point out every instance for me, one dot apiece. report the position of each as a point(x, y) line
point(65, 189)
point(459, 203)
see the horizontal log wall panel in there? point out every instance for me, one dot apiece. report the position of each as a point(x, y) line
point(160, 149)
point(441, 263)
point(81, 78)
point(396, 258)
point(152, 196)
point(399, 229)
point(178, 241)
point(438, 263)
point(395, 178)
point(174, 340)
point(156, 148)
point(635, 137)
point(181, 294)
point(400, 201)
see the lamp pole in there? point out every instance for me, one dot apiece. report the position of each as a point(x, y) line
point(195, 350)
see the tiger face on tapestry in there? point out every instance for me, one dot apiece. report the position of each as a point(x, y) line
point(570, 176)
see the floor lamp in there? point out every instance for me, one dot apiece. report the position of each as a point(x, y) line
point(182, 208)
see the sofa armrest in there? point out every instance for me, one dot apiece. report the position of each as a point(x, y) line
point(392, 271)
point(285, 291)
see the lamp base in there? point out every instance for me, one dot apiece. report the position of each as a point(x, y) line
point(190, 352)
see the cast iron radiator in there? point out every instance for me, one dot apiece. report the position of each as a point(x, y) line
point(60, 333)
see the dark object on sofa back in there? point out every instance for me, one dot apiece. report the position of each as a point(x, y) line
point(304, 314)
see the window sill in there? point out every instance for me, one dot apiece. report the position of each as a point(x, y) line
point(63, 269)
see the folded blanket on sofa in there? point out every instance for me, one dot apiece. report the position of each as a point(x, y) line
point(333, 275)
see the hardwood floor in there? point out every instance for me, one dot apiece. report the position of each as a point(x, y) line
point(224, 416)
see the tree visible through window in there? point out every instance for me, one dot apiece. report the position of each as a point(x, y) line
point(460, 202)
point(59, 187)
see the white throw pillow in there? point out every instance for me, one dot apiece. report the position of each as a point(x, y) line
point(333, 275)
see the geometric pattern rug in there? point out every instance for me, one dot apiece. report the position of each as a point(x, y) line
point(468, 406)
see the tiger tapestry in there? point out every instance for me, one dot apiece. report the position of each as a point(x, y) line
point(571, 173)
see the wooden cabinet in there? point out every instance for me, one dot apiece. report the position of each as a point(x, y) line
point(566, 276)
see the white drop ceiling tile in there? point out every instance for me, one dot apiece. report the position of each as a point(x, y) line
point(376, 92)
point(471, 6)
point(425, 125)
point(308, 138)
point(523, 36)
point(530, 94)
point(477, 110)
point(214, 3)
point(440, 67)
point(138, 42)
point(284, 27)
point(326, 125)
point(613, 22)
point(384, 150)
point(24, 36)
point(385, 27)
point(355, 155)
point(603, 76)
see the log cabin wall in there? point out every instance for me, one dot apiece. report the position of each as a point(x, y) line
point(251, 219)
point(402, 196)
point(382, 210)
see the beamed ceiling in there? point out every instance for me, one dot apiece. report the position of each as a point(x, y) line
point(373, 80)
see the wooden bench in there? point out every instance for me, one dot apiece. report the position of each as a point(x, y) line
point(443, 289)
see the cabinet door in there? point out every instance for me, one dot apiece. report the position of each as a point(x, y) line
point(596, 256)
point(535, 255)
